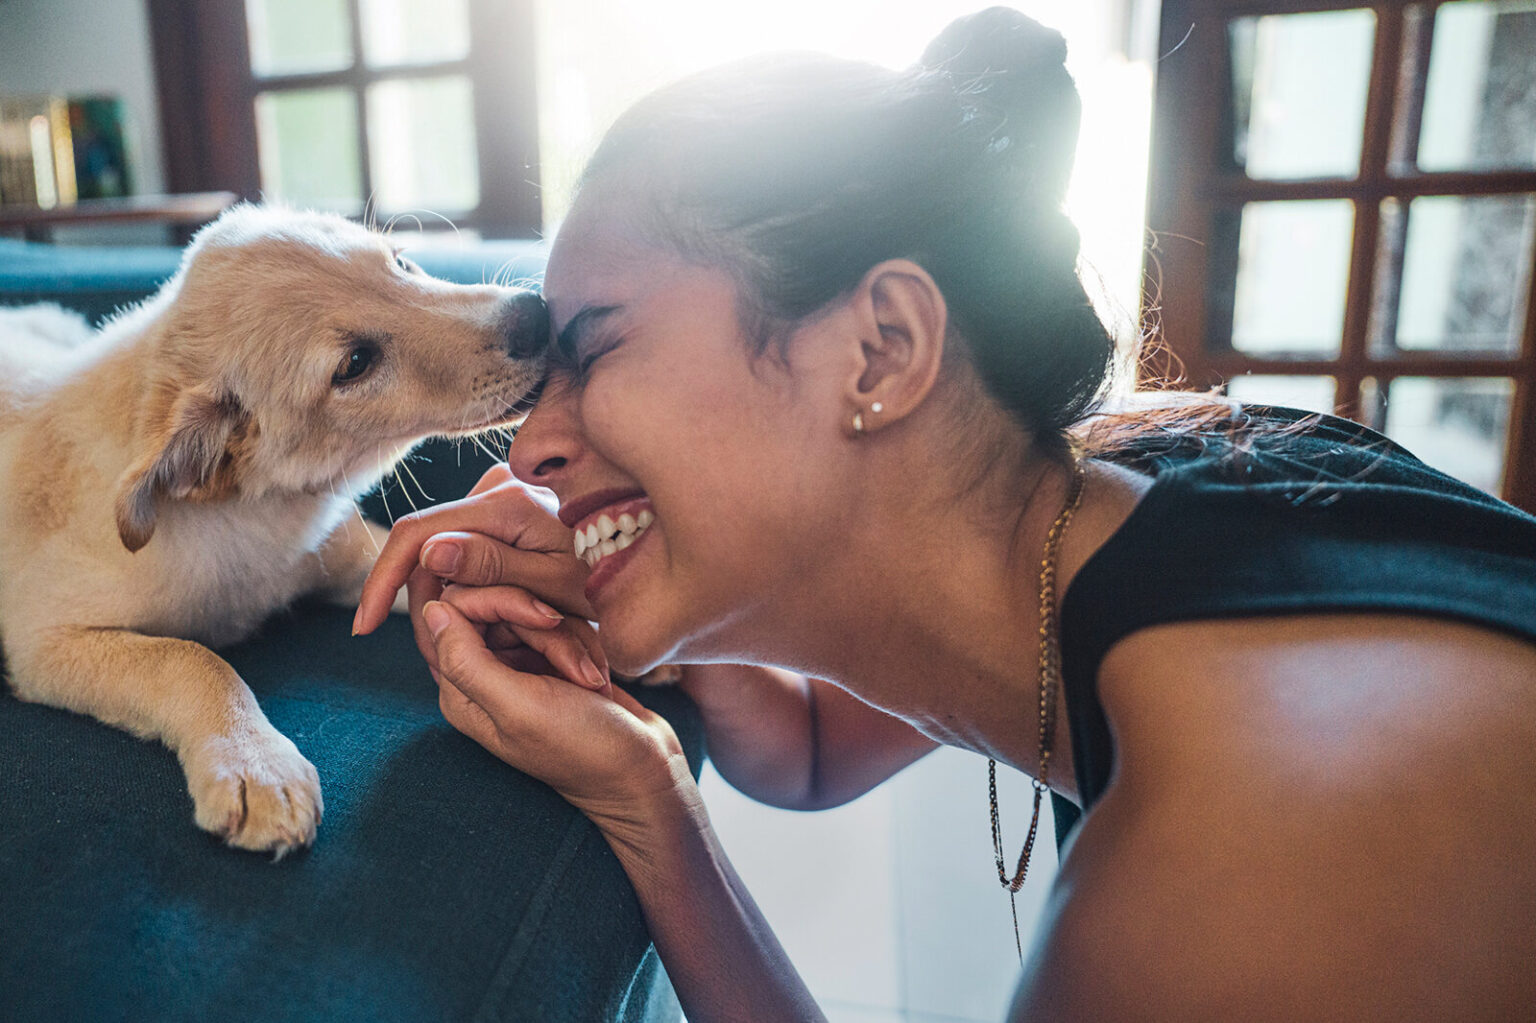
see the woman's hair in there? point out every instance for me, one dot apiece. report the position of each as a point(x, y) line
point(800, 172)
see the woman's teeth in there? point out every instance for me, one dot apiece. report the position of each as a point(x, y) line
point(607, 536)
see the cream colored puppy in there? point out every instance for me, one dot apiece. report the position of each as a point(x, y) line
point(168, 481)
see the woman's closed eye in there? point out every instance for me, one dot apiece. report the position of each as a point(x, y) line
point(579, 344)
point(587, 355)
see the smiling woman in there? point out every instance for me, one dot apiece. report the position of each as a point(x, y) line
point(820, 322)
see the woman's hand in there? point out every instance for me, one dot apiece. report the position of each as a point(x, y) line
point(613, 759)
point(498, 534)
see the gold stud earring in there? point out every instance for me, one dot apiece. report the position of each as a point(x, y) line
point(858, 423)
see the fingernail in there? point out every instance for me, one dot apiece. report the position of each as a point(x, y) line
point(442, 557)
point(594, 675)
point(547, 611)
point(355, 617)
point(436, 617)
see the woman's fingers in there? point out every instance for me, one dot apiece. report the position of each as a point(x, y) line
point(494, 477)
point(506, 605)
point(521, 657)
point(505, 639)
point(504, 513)
point(584, 631)
point(563, 642)
point(463, 713)
point(466, 664)
point(420, 588)
point(478, 560)
point(480, 513)
point(606, 755)
point(510, 649)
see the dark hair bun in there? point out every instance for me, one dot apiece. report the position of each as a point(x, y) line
point(1012, 66)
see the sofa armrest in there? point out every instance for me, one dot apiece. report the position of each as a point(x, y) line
point(442, 885)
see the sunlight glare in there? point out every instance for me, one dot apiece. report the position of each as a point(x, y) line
point(587, 77)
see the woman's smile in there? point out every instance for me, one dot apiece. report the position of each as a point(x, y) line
point(607, 541)
point(607, 535)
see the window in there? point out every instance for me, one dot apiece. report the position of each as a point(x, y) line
point(417, 107)
point(331, 102)
point(1347, 221)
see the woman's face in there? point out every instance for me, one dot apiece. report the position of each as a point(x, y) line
point(707, 483)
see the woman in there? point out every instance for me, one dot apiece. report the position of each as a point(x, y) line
point(825, 384)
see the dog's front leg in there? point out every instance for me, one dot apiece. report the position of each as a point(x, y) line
point(346, 558)
point(250, 785)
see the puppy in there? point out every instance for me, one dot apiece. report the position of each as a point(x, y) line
point(170, 480)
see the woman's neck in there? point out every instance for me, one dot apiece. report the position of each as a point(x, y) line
point(936, 618)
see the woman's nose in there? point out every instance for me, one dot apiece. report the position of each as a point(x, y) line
point(548, 440)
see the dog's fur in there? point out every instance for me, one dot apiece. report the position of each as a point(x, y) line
point(171, 479)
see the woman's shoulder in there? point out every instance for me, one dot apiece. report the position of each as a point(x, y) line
point(1300, 514)
point(1221, 440)
point(1312, 817)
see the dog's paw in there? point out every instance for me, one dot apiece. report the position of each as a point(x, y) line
point(256, 791)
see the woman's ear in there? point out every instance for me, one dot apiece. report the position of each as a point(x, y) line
point(902, 320)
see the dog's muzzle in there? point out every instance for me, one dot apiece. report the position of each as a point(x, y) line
point(525, 325)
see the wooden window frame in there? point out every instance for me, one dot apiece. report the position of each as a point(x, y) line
point(208, 94)
point(1189, 189)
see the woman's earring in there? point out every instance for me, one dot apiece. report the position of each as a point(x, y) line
point(858, 418)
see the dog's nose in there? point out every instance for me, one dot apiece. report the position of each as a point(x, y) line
point(525, 325)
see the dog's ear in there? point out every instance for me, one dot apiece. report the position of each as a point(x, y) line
point(190, 458)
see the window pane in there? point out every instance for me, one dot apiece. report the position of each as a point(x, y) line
point(309, 150)
point(1315, 394)
point(1466, 270)
point(414, 31)
point(1299, 84)
point(1480, 98)
point(421, 140)
point(1459, 426)
point(297, 36)
point(1292, 272)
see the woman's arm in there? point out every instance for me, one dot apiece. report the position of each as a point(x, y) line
point(722, 957)
point(796, 742)
point(622, 766)
point(1312, 818)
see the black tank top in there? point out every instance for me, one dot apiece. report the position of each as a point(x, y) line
point(1301, 519)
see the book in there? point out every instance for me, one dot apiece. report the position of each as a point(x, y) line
point(37, 159)
point(102, 167)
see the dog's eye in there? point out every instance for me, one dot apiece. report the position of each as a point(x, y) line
point(358, 361)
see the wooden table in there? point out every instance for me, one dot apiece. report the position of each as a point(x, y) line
point(181, 213)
